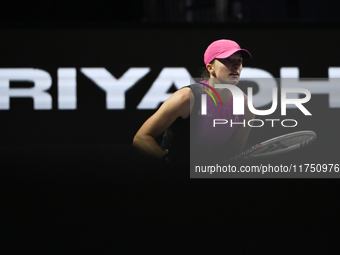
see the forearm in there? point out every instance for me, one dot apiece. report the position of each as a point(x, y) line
point(148, 146)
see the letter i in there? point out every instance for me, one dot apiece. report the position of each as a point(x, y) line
point(204, 104)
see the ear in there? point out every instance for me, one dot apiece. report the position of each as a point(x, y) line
point(210, 68)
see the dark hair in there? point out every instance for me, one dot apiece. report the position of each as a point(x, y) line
point(205, 73)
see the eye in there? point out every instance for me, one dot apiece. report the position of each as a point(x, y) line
point(225, 60)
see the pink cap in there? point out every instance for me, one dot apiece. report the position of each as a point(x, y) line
point(223, 49)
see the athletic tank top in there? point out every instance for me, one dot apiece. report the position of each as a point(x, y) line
point(202, 133)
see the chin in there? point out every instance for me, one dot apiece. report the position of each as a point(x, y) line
point(231, 81)
point(234, 81)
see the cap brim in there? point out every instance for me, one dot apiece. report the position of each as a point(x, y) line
point(226, 54)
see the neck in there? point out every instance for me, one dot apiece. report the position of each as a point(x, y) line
point(224, 93)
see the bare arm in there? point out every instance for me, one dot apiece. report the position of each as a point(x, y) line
point(178, 105)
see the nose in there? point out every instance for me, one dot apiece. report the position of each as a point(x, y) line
point(236, 65)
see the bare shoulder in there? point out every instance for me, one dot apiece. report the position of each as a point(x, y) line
point(179, 103)
point(182, 95)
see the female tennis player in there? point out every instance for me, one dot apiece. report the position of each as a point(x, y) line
point(223, 60)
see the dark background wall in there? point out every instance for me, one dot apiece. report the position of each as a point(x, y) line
point(71, 176)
